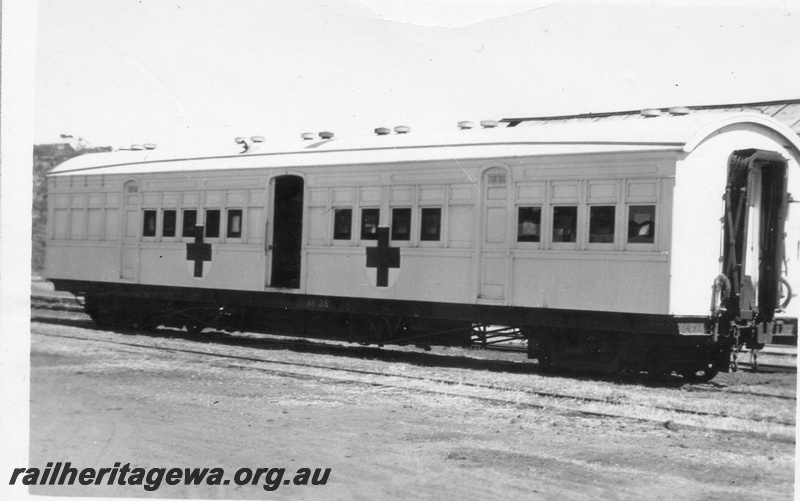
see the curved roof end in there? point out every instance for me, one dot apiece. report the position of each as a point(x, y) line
point(750, 118)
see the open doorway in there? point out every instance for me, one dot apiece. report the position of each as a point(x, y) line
point(754, 231)
point(287, 232)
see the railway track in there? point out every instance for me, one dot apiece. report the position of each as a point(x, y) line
point(334, 347)
point(60, 303)
point(494, 393)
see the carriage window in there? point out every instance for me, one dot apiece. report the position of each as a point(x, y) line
point(234, 223)
point(212, 223)
point(149, 229)
point(342, 224)
point(369, 223)
point(565, 221)
point(641, 224)
point(601, 224)
point(189, 222)
point(401, 224)
point(431, 228)
point(170, 220)
point(529, 224)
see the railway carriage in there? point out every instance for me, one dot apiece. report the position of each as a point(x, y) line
point(662, 243)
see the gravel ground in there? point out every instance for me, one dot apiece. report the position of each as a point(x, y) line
point(98, 403)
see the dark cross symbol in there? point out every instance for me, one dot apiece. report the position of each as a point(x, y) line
point(198, 251)
point(383, 257)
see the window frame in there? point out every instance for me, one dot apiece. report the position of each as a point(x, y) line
point(228, 235)
point(207, 227)
point(401, 242)
point(146, 235)
point(529, 243)
point(350, 234)
point(184, 232)
point(561, 245)
point(642, 246)
point(362, 237)
point(174, 236)
point(615, 227)
point(440, 226)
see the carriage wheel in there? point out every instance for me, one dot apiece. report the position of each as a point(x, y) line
point(546, 360)
point(703, 374)
point(104, 318)
point(194, 328)
point(546, 352)
point(141, 324)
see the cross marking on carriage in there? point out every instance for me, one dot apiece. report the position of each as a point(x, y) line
point(198, 251)
point(383, 257)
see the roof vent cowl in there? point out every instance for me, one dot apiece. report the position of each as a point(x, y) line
point(679, 110)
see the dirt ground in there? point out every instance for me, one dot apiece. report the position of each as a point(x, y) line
point(95, 404)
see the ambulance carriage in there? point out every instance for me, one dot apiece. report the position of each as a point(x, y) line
point(652, 243)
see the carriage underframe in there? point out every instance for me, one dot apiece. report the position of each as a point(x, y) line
point(559, 339)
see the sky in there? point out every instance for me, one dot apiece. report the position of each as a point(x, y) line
point(198, 74)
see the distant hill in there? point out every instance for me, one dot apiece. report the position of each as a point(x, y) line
point(45, 158)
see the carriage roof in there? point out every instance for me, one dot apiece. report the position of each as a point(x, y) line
point(527, 139)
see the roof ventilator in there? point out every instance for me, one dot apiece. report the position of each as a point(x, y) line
point(308, 136)
point(465, 125)
point(402, 129)
point(326, 135)
point(382, 131)
point(248, 143)
point(651, 112)
point(489, 124)
point(679, 110)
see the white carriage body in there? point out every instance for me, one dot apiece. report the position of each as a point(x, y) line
point(481, 183)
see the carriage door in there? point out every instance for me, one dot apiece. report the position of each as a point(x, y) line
point(287, 232)
point(129, 241)
point(494, 236)
point(755, 211)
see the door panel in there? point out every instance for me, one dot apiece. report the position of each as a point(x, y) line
point(496, 225)
point(130, 261)
point(494, 241)
point(494, 275)
point(129, 236)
